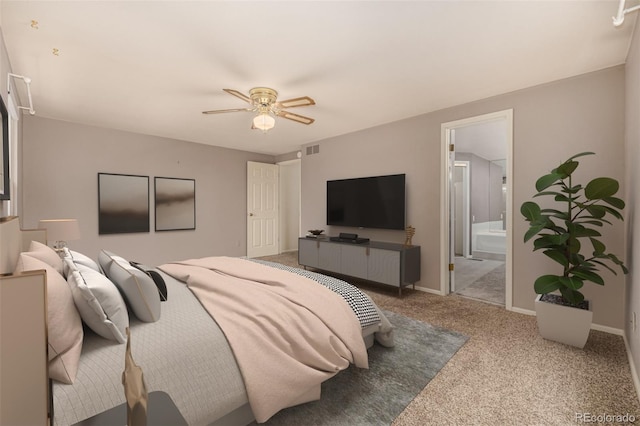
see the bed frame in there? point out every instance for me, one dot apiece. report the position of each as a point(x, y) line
point(32, 402)
point(25, 391)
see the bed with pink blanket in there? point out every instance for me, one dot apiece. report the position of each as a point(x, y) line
point(235, 340)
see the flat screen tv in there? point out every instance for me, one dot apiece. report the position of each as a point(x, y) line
point(369, 202)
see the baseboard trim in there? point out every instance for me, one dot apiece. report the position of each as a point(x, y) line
point(632, 366)
point(523, 311)
point(597, 327)
point(429, 290)
point(607, 329)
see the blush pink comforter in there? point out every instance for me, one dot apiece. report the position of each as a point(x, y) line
point(287, 332)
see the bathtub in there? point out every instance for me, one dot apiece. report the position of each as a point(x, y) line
point(491, 241)
point(488, 240)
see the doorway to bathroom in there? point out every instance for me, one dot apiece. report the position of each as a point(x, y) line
point(477, 207)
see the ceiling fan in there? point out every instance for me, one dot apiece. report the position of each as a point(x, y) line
point(263, 100)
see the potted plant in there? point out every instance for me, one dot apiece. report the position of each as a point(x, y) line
point(565, 234)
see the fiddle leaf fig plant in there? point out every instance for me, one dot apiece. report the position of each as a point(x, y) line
point(572, 228)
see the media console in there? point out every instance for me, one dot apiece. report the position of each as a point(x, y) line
point(386, 263)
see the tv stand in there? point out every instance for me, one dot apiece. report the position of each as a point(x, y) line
point(386, 263)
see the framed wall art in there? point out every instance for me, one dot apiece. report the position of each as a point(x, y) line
point(123, 203)
point(175, 204)
point(4, 153)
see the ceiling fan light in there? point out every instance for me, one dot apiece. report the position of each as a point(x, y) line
point(264, 122)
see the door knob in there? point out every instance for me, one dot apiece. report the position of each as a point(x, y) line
point(250, 214)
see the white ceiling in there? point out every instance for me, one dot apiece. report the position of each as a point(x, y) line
point(152, 67)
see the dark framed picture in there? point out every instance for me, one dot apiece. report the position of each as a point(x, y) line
point(123, 203)
point(175, 201)
point(4, 153)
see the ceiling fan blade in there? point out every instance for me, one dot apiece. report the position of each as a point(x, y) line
point(296, 102)
point(238, 94)
point(295, 117)
point(219, 111)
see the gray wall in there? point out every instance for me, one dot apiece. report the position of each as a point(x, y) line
point(60, 164)
point(289, 205)
point(633, 199)
point(485, 188)
point(480, 182)
point(551, 123)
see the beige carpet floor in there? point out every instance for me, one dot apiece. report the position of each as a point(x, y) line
point(506, 374)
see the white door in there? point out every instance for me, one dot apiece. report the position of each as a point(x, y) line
point(262, 209)
point(504, 119)
point(451, 136)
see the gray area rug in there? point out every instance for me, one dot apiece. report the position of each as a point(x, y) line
point(489, 287)
point(395, 376)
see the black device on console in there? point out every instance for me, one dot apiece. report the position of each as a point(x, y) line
point(349, 238)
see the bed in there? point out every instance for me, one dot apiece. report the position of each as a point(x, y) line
point(190, 352)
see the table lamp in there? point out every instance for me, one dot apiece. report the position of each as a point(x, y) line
point(60, 231)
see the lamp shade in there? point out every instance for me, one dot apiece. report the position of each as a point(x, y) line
point(264, 122)
point(61, 229)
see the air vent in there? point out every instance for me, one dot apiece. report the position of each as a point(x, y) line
point(313, 149)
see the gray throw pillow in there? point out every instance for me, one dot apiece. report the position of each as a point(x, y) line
point(137, 288)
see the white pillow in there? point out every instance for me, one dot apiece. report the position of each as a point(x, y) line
point(99, 302)
point(81, 259)
point(138, 289)
point(46, 254)
point(64, 326)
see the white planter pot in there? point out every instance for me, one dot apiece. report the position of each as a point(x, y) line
point(563, 324)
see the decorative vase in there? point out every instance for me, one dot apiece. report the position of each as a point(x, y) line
point(410, 232)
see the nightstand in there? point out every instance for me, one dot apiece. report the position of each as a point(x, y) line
point(161, 411)
point(24, 388)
